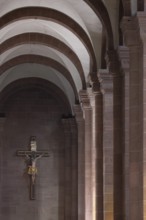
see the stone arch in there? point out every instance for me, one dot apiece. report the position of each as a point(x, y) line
point(49, 41)
point(29, 58)
point(26, 83)
point(101, 11)
point(56, 16)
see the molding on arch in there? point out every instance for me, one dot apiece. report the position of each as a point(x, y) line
point(56, 16)
point(37, 38)
point(43, 84)
point(101, 11)
point(29, 58)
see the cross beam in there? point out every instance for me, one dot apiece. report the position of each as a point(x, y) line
point(23, 153)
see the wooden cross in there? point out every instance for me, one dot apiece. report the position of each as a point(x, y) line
point(32, 156)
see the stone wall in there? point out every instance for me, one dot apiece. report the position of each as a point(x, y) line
point(32, 112)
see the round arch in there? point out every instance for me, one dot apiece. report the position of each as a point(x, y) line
point(101, 11)
point(43, 84)
point(49, 41)
point(56, 16)
point(29, 58)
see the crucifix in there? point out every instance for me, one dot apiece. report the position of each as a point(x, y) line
point(31, 157)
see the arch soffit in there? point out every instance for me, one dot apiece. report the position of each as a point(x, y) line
point(101, 11)
point(49, 41)
point(29, 58)
point(56, 16)
point(52, 29)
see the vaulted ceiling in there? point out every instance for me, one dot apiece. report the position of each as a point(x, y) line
point(57, 40)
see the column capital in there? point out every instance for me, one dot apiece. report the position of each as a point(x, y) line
point(142, 19)
point(94, 82)
point(131, 30)
point(106, 81)
point(142, 23)
point(125, 57)
point(91, 96)
point(78, 113)
point(85, 101)
point(113, 62)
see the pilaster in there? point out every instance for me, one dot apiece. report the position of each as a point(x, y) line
point(108, 142)
point(2, 123)
point(87, 113)
point(71, 168)
point(142, 23)
point(81, 161)
point(112, 86)
point(130, 28)
point(117, 75)
point(133, 107)
point(96, 101)
point(67, 167)
point(74, 168)
point(124, 56)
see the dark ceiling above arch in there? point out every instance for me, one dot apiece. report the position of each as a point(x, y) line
point(26, 83)
point(56, 16)
point(37, 38)
point(29, 58)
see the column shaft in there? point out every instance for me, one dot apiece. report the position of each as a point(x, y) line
point(74, 168)
point(97, 152)
point(87, 110)
point(81, 161)
point(112, 145)
point(134, 106)
point(68, 171)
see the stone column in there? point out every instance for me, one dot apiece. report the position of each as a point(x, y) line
point(108, 142)
point(87, 111)
point(142, 23)
point(112, 84)
point(68, 171)
point(2, 122)
point(134, 177)
point(74, 169)
point(81, 161)
point(71, 168)
point(96, 102)
point(124, 55)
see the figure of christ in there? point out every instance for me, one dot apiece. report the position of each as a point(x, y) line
point(31, 156)
point(31, 163)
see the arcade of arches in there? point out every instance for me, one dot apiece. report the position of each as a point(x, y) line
point(73, 74)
